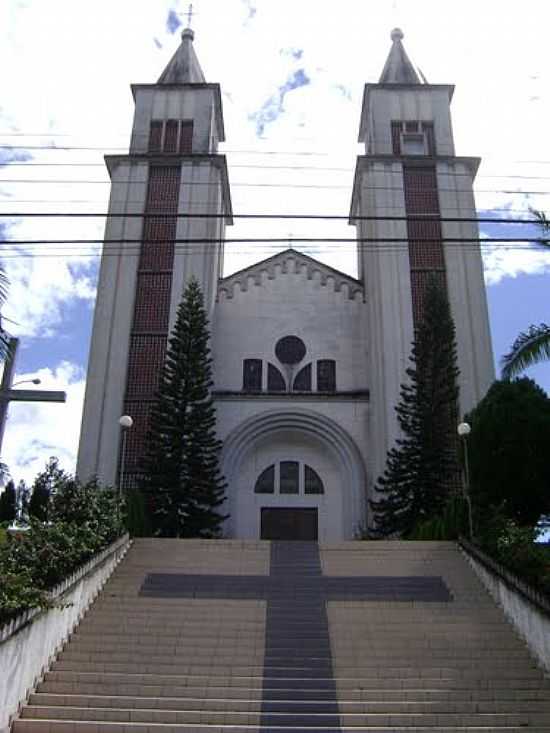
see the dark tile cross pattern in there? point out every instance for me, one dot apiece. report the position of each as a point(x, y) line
point(299, 689)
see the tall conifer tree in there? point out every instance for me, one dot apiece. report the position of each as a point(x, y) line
point(181, 479)
point(423, 468)
point(8, 503)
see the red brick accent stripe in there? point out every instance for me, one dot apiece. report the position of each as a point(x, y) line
point(426, 257)
point(149, 334)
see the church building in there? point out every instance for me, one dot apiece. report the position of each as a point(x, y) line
point(308, 361)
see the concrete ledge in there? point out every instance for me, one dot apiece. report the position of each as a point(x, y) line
point(29, 642)
point(527, 609)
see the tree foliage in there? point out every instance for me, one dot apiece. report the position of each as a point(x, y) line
point(508, 451)
point(533, 345)
point(422, 467)
point(51, 479)
point(181, 476)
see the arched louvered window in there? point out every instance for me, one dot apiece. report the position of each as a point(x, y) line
point(266, 481)
point(302, 382)
point(312, 482)
point(289, 480)
point(275, 380)
point(252, 375)
point(326, 375)
point(289, 477)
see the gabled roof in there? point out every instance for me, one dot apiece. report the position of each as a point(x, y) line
point(184, 67)
point(399, 68)
point(290, 261)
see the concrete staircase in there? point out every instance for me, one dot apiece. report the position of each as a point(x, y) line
point(234, 636)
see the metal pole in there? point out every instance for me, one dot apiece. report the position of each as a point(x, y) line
point(467, 489)
point(121, 476)
point(5, 386)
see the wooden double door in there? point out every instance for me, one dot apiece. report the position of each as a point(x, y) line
point(289, 524)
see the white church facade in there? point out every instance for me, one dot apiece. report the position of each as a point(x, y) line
point(308, 361)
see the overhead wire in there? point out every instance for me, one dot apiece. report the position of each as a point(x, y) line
point(308, 217)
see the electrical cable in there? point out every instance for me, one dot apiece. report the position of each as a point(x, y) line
point(307, 217)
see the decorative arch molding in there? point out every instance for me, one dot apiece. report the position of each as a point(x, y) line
point(324, 430)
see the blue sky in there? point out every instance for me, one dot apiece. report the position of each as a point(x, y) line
point(292, 76)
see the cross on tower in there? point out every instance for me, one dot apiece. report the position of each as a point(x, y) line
point(297, 638)
point(190, 15)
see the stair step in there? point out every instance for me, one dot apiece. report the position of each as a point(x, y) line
point(146, 664)
point(302, 705)
point(286, 719)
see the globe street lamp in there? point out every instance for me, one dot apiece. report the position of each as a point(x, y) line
point(463, 430)
point(125, 423)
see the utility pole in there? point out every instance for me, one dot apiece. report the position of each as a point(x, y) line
point(7, 394)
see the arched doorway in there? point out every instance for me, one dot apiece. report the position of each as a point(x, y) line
point(276, 462)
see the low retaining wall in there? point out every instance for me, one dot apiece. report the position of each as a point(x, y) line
point(29, 643)
point(526, 608)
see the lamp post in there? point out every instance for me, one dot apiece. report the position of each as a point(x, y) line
point(463, 430)
point(125, 423)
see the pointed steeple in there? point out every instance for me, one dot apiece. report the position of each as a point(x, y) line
point(184, 67)
point(399, 68)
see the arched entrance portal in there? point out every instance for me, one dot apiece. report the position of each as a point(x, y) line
point(293, 475)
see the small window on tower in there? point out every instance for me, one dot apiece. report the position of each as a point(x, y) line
point(171, 136)
point(252, 375)
point(275, 380)
point(326, 375)
point(186, 137)
point(155, 137)
point(428, 128)
point(413, 144)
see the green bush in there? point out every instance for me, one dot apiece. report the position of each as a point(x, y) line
point(516, 548)
point(449, 525)
point(83, 520)
point(18, 593)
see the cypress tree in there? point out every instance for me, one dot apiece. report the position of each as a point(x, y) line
point(422, 469)
point(181, 477)
point(8, 503)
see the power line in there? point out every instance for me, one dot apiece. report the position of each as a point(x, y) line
point(9, 200)
point(222, 152)
point(254, 240)
point(321, 217)
point(279, 185)
point(511, 176)
point(131, 253)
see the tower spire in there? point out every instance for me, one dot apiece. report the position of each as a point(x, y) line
point(399, 68)
point(184, 67)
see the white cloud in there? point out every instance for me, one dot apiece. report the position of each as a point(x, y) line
point(514, 262)
point(36, 431)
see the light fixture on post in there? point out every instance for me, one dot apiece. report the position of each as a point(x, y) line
point(125, 423)
point(463, 430)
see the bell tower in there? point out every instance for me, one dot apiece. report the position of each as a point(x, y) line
point(170, 202)
point(411, 175)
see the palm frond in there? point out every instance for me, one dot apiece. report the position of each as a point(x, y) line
point(544, 224)
point(530, 347)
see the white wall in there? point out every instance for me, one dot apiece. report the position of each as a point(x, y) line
point(248, 325)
